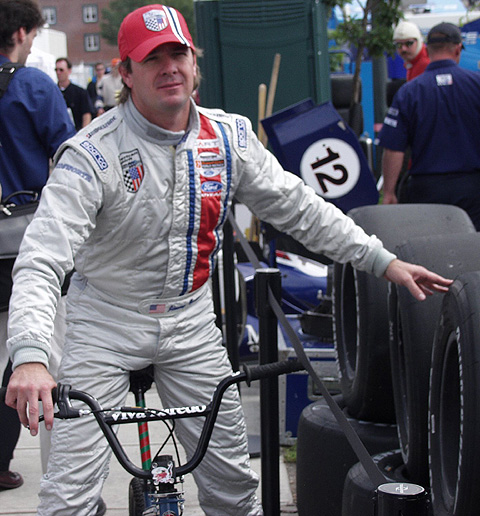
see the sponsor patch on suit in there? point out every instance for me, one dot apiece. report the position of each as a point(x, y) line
point(133, 170)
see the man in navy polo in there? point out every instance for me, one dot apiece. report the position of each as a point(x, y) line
point(436, 115)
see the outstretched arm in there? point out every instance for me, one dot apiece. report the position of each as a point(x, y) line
point(420, 281)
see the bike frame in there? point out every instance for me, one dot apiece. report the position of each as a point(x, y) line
point(160, 478)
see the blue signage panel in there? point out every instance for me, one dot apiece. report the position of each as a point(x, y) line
point(314, 142)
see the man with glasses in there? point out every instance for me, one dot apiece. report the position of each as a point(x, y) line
point(409, 44)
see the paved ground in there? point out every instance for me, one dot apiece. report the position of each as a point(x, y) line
point(23, 501)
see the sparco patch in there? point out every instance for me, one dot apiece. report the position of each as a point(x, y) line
point(241, 133)
point(96, 155)
point(133, 171)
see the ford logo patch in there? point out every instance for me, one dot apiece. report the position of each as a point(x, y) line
point(211, 187)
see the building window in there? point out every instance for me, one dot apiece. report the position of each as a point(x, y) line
point(92, 42)
point(50, 15)
point(90, 13)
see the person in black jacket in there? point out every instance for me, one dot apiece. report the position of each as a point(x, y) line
point(77, 98)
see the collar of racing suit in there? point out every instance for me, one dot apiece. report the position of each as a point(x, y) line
point(151, 132)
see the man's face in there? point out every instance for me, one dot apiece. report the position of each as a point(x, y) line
point(99, 71)
point(406, 48)
point(162, 83)
point(62, 71)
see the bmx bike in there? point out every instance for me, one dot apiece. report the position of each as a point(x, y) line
point(156, 488)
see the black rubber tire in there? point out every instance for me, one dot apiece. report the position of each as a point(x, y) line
point(413, 326)
point(342, 90)
point(392, 87)
point(454, 411)
point(136, 500)
point(360, 310)
point(324, 456)
point(359, 492)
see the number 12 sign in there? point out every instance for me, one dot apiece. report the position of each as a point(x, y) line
point(331, 167)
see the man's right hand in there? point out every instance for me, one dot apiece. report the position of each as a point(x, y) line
point(392, 163)
point(29, 384)
point(389, 198)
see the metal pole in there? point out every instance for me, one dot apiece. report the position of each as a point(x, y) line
point(323, 88)
point(231, 329)
point(380, 77)
point(217, 302)
point(401, 498)
point(265, 280)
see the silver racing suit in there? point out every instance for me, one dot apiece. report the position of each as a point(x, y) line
point(138, 212)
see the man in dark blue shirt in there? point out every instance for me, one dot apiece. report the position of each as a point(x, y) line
point(33, 123)
point(436, 115)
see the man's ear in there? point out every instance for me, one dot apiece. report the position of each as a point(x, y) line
point(458, 51)
point(125, 75)
point(20, 35)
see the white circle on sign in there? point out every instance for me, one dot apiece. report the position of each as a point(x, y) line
point(331, 167)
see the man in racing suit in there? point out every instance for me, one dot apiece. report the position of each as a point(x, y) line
point(136, 204)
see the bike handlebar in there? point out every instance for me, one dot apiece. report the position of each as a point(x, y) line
point(106, 418)
point(273, 369)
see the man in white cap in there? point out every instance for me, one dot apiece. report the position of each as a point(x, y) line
point(408, 41)
point(136, 204)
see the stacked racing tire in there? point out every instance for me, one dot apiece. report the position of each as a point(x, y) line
point(363, 328)
point(413, 326)
point(454, 413)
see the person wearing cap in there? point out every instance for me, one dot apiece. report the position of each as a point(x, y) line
point(436, 115)
point(112, 85)
point(408, 42)
point(136, 203)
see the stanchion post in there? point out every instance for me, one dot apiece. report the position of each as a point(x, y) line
point(265, 280)
point(217, 301)
point(401, 498)
point(231, 329)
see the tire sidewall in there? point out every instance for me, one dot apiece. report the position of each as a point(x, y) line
point(454, 406)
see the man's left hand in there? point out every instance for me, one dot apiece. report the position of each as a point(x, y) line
point(420, 281)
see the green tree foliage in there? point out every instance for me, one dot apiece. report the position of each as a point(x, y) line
point(371, 32)
point(116, 11)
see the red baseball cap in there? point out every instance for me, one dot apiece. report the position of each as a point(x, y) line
point(150, 26)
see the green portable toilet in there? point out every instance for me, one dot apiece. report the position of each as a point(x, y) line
point(240, 39)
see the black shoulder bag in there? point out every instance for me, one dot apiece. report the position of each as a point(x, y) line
point(7, 70)
point(13, 223)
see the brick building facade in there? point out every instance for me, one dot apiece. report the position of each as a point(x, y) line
point(80, 20)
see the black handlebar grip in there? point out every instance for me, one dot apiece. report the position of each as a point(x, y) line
point(274, 369)
point(3, 393)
